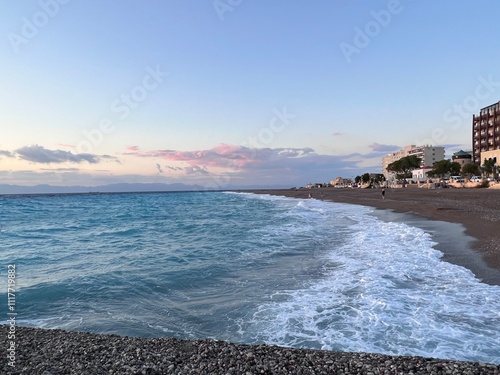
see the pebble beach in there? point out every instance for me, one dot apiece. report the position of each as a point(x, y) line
point(45, 352)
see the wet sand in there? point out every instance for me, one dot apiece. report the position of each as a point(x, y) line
point(464, 222)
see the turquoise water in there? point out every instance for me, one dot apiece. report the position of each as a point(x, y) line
point(244, 268)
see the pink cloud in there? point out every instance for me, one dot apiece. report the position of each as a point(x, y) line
point(234, 164)
point(224, 156)
point(66, 145)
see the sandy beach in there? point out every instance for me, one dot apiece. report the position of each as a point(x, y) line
point(477, 210)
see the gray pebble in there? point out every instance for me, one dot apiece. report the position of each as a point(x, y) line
point(54, 352)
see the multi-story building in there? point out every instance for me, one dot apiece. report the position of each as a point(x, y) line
point(428, 155)
point(462, 157)
point(486, 133)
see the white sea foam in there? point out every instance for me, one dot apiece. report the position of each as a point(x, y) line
point(387, 291)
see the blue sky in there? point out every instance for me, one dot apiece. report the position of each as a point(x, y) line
point(236, 92)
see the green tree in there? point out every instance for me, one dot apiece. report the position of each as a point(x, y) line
point(444, 167)
point(488, 166)
point(471, 170)
point(440, 168)
point(357, 179)
point(404, 166)
point(455, 168)
point(365, 177)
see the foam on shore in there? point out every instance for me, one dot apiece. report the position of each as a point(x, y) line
point(451, 239)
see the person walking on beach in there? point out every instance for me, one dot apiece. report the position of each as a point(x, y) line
point(383, 193)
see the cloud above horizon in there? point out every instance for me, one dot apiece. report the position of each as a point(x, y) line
point(39, 154)
point(6, 153)
point(377, 147)
point(245, 164)
point(60, 169)
point(222, 166)
point(223, 156)
point(451, 148)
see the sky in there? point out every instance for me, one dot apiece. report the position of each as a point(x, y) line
point(225, 93)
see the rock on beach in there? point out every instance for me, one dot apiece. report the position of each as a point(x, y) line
point(51, 352)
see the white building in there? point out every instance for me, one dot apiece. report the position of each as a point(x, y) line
point(428, 154)
point(420, 174)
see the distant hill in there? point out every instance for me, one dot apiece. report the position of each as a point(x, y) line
point(117, 188)
point(112, 188)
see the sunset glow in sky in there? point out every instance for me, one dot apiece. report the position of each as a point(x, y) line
point(236, 92)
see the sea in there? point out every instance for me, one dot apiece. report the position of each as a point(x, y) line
point(244, 268)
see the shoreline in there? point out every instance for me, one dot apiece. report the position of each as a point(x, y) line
point(471, 239)
point(57, 351)
point(451, 240)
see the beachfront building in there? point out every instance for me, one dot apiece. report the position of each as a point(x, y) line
point(420, 175)
point(340, 181)
point(492, 155)
point(485, 133)
point(428, 155)
point(462, 158)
